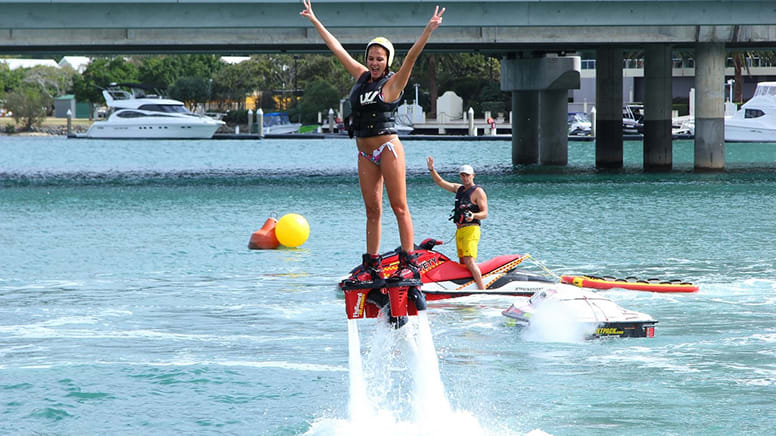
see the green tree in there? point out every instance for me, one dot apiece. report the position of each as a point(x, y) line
point(29, 104)
point(319, 96)
point(289, 75)
point(233, 82)
point(273, 71)
point(742, 61)
point(190, 89)
point(162, 71)
point(9, 80)
point(475, 78)
point(465, 73)
point(51, 80)
point(312, 68)
point(99, 74)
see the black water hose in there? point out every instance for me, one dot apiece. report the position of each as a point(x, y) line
point(417, 297)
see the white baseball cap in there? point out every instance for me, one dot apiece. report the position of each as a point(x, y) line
point(466, 169)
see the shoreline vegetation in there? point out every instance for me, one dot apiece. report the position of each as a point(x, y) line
point(232, 84)
point(51, 126)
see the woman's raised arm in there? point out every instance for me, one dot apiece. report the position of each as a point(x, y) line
point(355, 68)
point(393, 88)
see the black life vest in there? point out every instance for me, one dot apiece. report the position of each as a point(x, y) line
point(463, 203)
point(370, 115)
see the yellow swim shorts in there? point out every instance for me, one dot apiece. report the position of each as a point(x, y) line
point(466, 240)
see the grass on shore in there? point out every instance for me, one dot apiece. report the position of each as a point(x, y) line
point(50, 122)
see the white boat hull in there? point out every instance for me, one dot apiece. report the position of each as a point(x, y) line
point(107, 130)
point(282, 129)
point(496, 284)
point(402, 129)
point(751, 133)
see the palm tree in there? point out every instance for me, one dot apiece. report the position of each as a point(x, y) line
point(743, 59)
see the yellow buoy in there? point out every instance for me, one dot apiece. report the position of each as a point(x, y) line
point(292, 230)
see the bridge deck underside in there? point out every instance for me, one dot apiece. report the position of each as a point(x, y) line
point(272, 26)
point(482, 39)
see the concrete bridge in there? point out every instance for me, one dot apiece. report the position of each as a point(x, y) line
point(535, 38)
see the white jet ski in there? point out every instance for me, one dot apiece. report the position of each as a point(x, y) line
point(599, 316)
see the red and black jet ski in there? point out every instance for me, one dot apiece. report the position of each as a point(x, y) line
point(444, 278)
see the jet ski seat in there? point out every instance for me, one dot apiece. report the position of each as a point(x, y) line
point(455, 270)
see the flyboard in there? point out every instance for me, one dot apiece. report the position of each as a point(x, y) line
point(400, 298)
point(630, 283)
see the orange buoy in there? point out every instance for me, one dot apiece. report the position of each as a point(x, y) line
point(265, 238)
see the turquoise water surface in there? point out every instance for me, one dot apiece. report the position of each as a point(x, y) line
point(130, 304)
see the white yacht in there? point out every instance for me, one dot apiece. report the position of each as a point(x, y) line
point(137, 115)
point(756, 120)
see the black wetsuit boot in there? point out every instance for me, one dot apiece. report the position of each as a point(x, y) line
point(368, 275)
point(408, 272)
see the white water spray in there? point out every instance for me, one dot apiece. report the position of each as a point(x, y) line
point(431, 404)
point(359, 404)
point(554, 322)
point(397, 388)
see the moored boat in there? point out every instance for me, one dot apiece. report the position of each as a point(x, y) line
point(137, 114)
point(633, 119)
point(579, 124)
point(278, 123)
point(755, 121)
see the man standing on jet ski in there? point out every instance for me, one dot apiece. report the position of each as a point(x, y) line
point(471, 207)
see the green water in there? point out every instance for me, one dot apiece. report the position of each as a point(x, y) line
point(130, 304)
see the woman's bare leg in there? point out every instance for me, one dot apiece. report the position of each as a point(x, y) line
point(394, 173)
point(370, 178)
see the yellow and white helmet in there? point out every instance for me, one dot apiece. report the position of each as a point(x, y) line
point(384, 43)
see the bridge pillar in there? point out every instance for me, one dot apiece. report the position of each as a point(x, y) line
point(525, 127)
point(548, 78)
point(554, 137)
point(608, 100)
point(709, 107)
point(658, 148)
